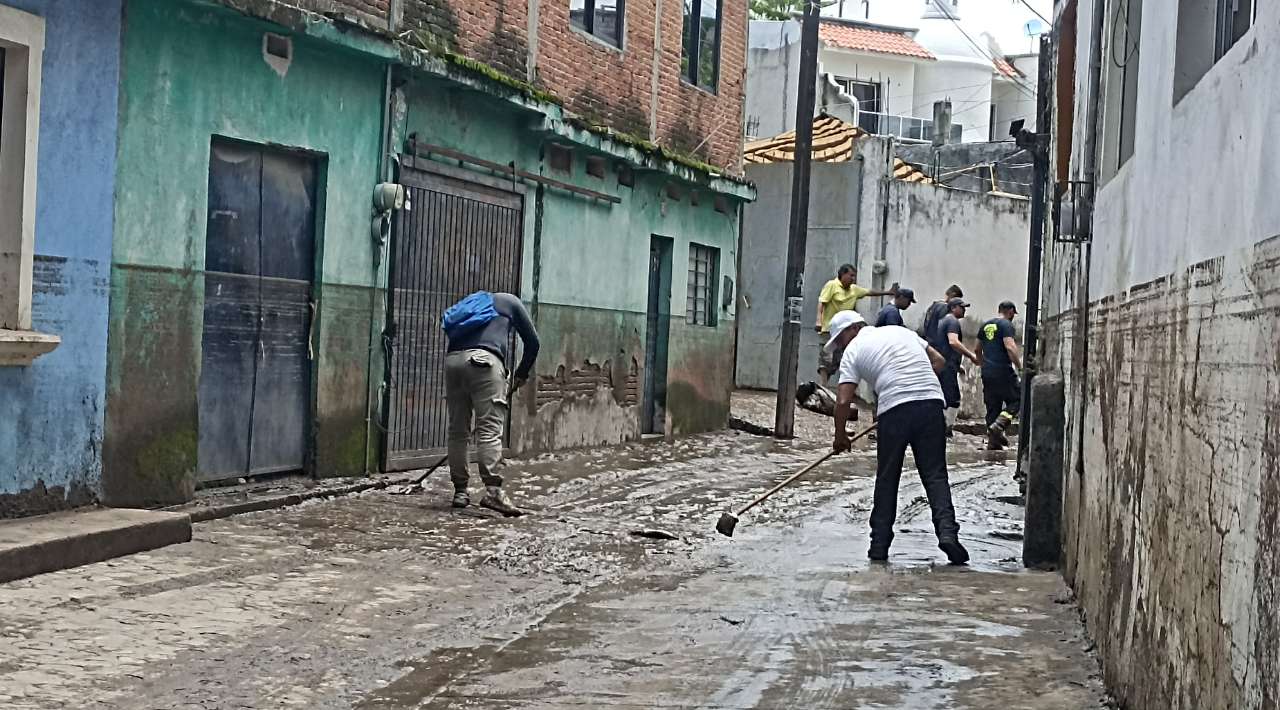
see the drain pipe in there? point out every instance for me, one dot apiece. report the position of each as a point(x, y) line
point(375, 405)
point(1094, 111)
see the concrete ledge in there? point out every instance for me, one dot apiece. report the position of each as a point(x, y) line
point(202, 514)
point(46, 543)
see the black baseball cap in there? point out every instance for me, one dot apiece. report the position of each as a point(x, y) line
point(1008, 306)
point(907, 294)
point(957, 302)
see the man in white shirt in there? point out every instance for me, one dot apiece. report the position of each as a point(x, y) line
point(900, 368)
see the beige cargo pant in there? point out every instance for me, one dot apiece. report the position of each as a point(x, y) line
point(475, 384)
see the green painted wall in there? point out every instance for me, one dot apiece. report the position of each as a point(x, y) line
point(586, 278)
point(189, 73)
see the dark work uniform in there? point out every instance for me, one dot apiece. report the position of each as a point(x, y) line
point(889, 315)
point(1001, 391)
point(949, 376)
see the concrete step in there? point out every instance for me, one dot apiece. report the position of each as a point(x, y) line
point(47, 543)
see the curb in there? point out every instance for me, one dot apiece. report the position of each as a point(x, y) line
point(217, 512)
point(31, 546)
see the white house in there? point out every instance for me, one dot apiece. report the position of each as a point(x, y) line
point(886, 77)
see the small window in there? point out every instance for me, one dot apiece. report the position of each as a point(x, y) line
point(596, 166)
point(704, 267)
point(868, 95)
point(866, 92)
point(700, 60)
point(560, 158)
point(21, 49)
point(1234, 19)
point(626, 176)
point(602, 19)
point(1207, 30)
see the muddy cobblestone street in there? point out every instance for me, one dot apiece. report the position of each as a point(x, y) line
point(397, 601)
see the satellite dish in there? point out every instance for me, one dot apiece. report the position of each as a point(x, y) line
point(1034, 28)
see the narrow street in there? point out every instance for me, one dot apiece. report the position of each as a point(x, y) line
point(381, 600)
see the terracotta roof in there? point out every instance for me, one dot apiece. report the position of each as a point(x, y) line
point(833, 142)
point(866, 39)
point(1006, 68)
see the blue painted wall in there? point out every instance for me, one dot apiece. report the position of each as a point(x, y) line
point(51, 414)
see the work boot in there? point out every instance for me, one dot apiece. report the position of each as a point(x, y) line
point(461, 498)
point(995, 441)
point(955, 552)
point(879, 550)
point(496, 499)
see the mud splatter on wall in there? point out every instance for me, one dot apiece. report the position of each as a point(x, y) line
point(1171, 496)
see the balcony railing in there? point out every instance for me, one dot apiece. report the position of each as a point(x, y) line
point(905, 127)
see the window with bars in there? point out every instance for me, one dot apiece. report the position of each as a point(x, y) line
point(704, 268)
point(600, 18)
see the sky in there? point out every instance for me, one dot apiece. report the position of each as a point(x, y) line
point(1005, 20)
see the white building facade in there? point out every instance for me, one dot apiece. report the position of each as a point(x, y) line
point(887, 77)
point(1162, 313)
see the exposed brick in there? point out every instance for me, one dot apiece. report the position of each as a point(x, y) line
point(606, 85)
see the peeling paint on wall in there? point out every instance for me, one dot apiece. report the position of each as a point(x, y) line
point(584, 382)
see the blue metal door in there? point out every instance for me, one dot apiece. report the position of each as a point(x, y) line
point(255, 377)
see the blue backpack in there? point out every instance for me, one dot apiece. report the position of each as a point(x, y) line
point(468, 315)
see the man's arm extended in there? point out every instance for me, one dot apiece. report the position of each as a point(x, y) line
point(848, 391)
point(953, 339)
point(1015, 353)
point(893, 291)
point(817, 325)
point(528, 341)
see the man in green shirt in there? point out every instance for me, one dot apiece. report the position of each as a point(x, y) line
point(839, 294)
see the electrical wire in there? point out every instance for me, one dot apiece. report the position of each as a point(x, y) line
point(1036, 12)
point(1022, 87)
point(1122, 7)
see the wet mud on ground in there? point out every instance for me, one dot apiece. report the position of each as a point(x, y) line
point(398, 601)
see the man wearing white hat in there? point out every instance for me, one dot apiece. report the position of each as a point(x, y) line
point(900, 368)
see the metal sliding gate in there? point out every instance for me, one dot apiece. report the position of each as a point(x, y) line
point(461, 233)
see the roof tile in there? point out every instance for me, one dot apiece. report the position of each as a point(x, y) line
point(865, 39)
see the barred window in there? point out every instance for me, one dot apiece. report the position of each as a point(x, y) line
point(704, 268)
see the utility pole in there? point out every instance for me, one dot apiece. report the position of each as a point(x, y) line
point(1037, 144)
point(793, 287)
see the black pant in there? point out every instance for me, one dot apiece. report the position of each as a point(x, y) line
point(1001, 393)
point(949, 378)
point(921, 425)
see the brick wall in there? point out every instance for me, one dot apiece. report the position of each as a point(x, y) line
point(607, 85)
point(615, 87)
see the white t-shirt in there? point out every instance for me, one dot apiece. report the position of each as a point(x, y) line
point(892, 360)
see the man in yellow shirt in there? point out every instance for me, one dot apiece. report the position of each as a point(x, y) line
point(839, 294)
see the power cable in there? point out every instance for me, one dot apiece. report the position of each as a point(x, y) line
point(1022, 87)
point(1036, 12)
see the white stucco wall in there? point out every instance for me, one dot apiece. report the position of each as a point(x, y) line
point(897, 77)
point(966, 83)
point(1172, 501)
point(773, 69)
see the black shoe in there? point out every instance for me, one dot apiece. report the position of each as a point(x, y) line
point(461, 499)
point(955, 552)
point(878, 553)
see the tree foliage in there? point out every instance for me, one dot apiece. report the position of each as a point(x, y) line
point(781, 9)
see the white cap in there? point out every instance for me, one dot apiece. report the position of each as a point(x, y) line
point(841, 321)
